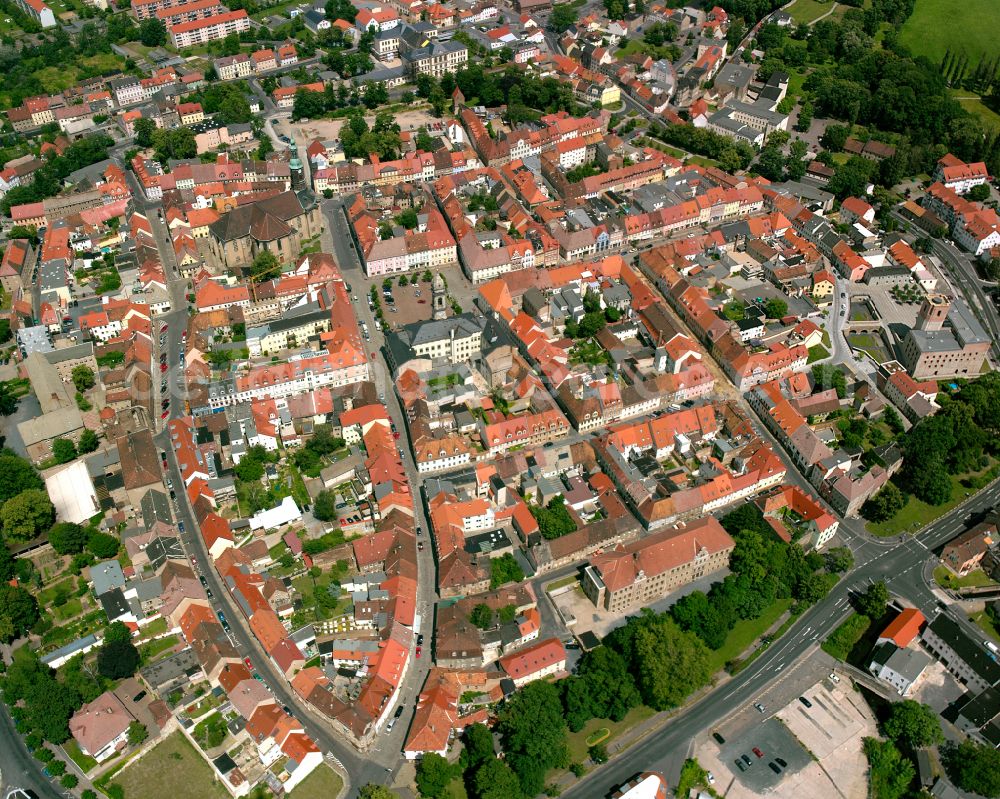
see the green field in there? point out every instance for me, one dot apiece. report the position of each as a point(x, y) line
point(944, 577)
point(916, 514)
point(577, 741)
point(323, 783)
point(977, 108)
point(745, 633)
point(805, 11)
point(968, 27)
point(190, 776)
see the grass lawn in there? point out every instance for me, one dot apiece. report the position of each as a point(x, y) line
point(578, 740)
point(985, 624)
point(190, 776)
point(968, 27)
point(818, 353)
point(915, 514)
point(745, 633)
point(454, 790)
point(842, 640)
point(85, 762)
point(150, 651)
point(71, 609)
point(974, 579)
point(323, 783)
point(156, 627)
point(977, 108)
point(809, 10)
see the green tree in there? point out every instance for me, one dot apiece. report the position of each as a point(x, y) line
point(8, 402)
point(325, 506)
point(562, 17)
point(69, 781)
point(117, 631)
point(973, 767)
point(874, 602)
point(18, 475)
point(63, 450)
point(533, 732)
point(19, 609)
point(265, 266)
point(372, 791)
point(137, 733)
point(88, 442)
point(668, 664)
point(885, 504)
point(496, 780)
point(67, 538)
point(117, 659)
point(889, 773)
point(912, 725)
point(153, 33)
point(839, 559)
point(481, 616)
point(144, 128)
point(775, 308)
point(504, 569)
point(433, 775)
point(103, 545)
point(83, 377)
point(26, 515)
point(611, 688)
point(598, 753)
point(477, 741)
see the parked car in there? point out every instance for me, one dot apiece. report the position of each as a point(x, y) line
point(746, 760)
point(805, 701)
point(718, 738)
point(756, 751)
point(740, 764)
point(781, 762)
point(759, 706)
point(774, 767)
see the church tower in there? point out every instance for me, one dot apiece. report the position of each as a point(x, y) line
point(298, 173)
point(440, 301)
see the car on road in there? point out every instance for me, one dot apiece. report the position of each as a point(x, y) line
point(805, 701)
point(163, 367)
point(420, 640)
point(759, 706)
point(180, 526)
point(164, 328)
point(165, 414)
point(420, 546)
point(718, 738)
point(418, 653)
point(756, 751)
point(774, 767)
point(746, 760)
point(248, 662)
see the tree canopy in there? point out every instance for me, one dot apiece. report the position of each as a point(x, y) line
point(533, 732)
point(27, 515)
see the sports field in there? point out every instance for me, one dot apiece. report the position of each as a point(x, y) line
point(964, 26)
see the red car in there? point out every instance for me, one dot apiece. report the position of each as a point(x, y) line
point(395, 435)
point(757, 752)
point(163, 367)
point(165, 414)
point(248, 663)
point(164, 328)
point(418, 652)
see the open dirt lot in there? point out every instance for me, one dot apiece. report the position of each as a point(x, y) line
point(190, 776)
point(330, 128)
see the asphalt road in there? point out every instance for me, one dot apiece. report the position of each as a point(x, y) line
point(900, 566)
point(18, 769)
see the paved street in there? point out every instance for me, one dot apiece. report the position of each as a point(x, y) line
point(18, 769)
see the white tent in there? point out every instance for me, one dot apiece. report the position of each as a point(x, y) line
point(72, 492)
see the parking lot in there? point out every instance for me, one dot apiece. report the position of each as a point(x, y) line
point(773, 740)
point(819, 744)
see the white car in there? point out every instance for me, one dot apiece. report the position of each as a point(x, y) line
point(710, 777)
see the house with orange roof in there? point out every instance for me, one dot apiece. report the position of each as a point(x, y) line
point(534, 662)
point(904, 628)
point(808, 517)
point(959, 176)
point(647, 570)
